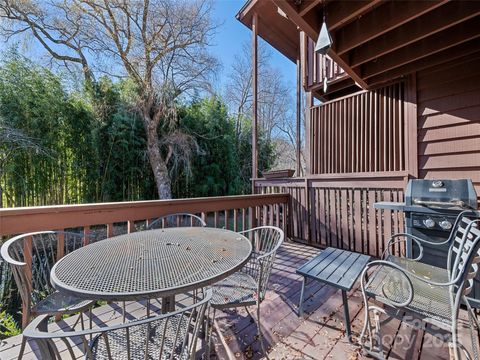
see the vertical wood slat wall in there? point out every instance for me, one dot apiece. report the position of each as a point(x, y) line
point(363, 132)
point(340, 215)
point(320, 66)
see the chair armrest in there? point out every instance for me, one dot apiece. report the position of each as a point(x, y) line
point(364, 280)
point(35, 328)
point(395, 240)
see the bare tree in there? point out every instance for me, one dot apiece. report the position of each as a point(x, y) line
point(275, 104)
point(160, 45)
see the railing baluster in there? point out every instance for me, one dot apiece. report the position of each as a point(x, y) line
point(130, 226)
point(235, 223)
point(60, 245)
point(109, 230)
point(86, 235)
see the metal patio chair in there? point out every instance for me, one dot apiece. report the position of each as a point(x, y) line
point(176, 220)
point(248, 286)
point(167, 336)
point(39, 251)
point(425, 293)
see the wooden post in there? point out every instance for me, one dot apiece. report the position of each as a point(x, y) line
point(255, 99)
point(299, 99)
point(411, 143)
point(308, 105)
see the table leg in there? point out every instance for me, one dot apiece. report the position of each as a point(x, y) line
point(302, 293)
point(347, 316)
point(168, 304)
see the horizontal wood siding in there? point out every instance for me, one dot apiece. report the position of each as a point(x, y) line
point(338, 211)
point(363, 132)
point(449, 121)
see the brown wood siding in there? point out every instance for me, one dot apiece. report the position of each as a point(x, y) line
point(449, 121)
point(363, 132)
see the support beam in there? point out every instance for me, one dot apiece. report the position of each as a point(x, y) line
point(308, 106)
point(383, 19)
point(299, 100)
point(343, 64)
point(461, 33)
point(453, 53)
point(340, 13)
point(255, 99)
point(438, 20)
point(306, 6)
point(311, 29)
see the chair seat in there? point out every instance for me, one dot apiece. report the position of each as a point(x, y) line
point(432, 303)
point(239, 289)
point(159, 331)
point(59, 302)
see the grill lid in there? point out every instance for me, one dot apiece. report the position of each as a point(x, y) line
point(458, 194)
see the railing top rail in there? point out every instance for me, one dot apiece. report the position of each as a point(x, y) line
point(37, 218)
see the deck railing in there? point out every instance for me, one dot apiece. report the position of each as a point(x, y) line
point(103, 220)
point(337, 209)
point(232, 212)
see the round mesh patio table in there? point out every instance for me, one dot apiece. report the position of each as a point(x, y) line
point(151, 264)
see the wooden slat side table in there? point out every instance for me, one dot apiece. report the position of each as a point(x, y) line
point(335, 267)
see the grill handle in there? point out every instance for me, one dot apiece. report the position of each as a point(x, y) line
point(458, 203)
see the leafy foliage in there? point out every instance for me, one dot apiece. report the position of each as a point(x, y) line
point(223, 166)
point(8, 325)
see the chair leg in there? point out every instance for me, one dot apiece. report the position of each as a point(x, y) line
point(259, 330)
point(124, 312)
point(208, 333)
point(82, 321)
point(22, 347)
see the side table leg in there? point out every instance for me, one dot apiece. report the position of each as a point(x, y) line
point(302, 293)
point(347, 316)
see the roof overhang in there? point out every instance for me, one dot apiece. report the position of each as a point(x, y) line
point(378, 41)
point(273, 26)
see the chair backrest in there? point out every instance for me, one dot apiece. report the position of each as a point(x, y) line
point(176, 220)
point(167, 336)
point(464, 251)
point(31, 257)
point(265, 242)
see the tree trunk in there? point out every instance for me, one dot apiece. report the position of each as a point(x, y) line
point(159, 167)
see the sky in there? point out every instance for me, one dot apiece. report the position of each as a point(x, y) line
point(226, 43)
point(232, 34)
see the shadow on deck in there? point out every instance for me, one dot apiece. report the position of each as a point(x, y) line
point(319, 335)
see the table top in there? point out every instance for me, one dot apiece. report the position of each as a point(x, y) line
point(151, 264)
point(335, 267)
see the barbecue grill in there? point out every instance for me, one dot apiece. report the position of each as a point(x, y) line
point(431, 207)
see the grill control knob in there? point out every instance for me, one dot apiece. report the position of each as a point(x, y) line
point(445, 224)
point(429, 223)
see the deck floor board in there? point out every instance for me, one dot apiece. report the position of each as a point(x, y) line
point(320, 334)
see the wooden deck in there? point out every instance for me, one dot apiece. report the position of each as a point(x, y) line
point(319, 335)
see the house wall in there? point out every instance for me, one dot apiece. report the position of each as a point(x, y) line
point(448, 110)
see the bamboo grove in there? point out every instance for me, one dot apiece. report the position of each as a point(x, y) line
point(82, 146)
